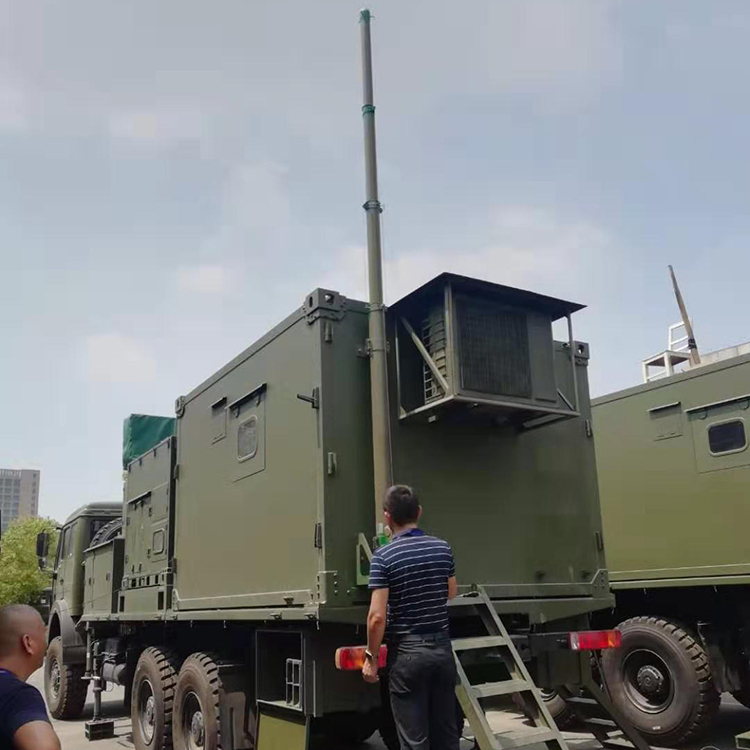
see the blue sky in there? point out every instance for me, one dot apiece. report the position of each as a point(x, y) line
point(175, 177)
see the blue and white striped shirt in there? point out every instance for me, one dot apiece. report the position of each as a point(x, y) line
point(415, 568)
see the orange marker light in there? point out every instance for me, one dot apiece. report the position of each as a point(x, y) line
point(594, 640)
point(352, 658)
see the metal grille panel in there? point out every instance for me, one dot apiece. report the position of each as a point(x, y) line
point(493, 349)
point(433, 338)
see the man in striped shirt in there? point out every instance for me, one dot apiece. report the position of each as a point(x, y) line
point(411, 579)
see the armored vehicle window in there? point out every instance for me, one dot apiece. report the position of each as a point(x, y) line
point(157, 541)
point(247, 438)
point(727, 437)
point(67, 547)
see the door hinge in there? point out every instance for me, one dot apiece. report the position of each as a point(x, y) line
point(599, 541)
point(332, 463)
point(176, 472)
point(588, 428)
point(328, 332)
point(319, 536)
point(313, 400)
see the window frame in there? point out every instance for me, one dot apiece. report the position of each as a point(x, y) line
point(249, 456)
point(65, 535)
point(723, 422)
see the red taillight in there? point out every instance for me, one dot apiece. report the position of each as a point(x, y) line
point(593, 640)
point(349, 658)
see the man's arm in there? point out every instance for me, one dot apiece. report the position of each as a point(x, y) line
point(376, 620)
point(36, 735)
point(452, 587)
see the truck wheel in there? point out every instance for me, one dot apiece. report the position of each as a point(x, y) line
point(197, 723)
point(64, 687)
point(661, 680)
point(152, 698)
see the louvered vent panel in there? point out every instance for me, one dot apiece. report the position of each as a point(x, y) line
point(493, 349)
point(433, 338)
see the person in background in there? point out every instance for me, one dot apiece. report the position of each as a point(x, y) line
point(24, 724)
point(411, 579)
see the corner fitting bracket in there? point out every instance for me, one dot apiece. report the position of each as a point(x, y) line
point(365, 351)
point(364, 558)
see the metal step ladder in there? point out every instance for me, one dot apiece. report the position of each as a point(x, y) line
point(519, 683)
point(591, 704)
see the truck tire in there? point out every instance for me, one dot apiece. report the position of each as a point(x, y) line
point(197, 718)
point(152, 698)
point(64, 688)
point(107, 532)
point(660, 678)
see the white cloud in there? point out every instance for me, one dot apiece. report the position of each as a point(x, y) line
point(255, 212)
point(557, 52)
point(154, 126)
point(13, 109)
point(526, 247)
point(204, 279)
point(115, 358)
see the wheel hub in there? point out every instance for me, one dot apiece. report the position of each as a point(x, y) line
point(147, 711)
point(197, 730)
point(193, 725)
point(54, 677)
point(650, 680)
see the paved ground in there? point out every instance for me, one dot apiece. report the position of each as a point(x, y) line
point(733, 719)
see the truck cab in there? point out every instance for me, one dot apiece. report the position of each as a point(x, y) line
point(64, 665)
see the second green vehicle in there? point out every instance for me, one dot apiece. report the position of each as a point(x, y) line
point(674, 477)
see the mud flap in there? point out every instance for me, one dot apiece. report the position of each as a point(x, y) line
point(278, 729)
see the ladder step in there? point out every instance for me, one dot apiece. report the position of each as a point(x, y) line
point(606, 723)
point(618, 744)
point(526, 737)
point(485, 641)
point(506, 687)
point(576, 700)
point(465, 601)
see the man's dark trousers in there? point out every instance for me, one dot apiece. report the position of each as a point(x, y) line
point(422, 684)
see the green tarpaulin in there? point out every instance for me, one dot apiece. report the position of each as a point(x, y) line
point(141, 432)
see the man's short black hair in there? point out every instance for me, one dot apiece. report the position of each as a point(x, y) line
point(402, 504)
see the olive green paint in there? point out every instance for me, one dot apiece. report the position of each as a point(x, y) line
point(263, 525)
point(674, 514)
point(74, 538)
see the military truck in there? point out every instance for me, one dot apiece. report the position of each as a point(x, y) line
point(241, 564)
point(674, 477)
point(64, 664)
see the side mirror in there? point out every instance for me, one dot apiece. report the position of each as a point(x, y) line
point(42, 544)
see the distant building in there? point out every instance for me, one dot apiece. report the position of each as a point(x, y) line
point(19, 494)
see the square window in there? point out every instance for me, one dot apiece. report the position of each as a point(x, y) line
point(247, 438)
point(727, 437)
